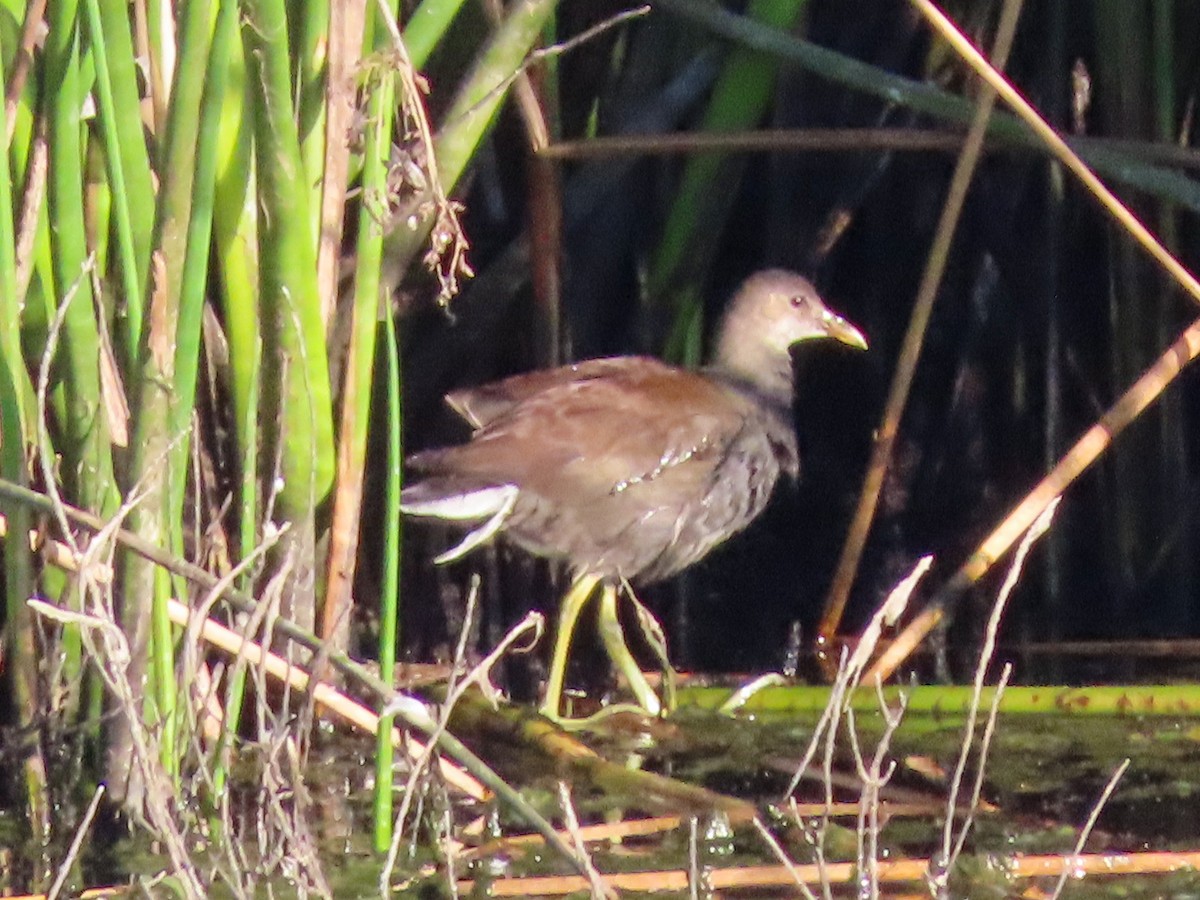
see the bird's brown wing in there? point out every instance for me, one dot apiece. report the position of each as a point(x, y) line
point(612, 469)
point(479, 406)
point(609, 429)
point(635, 472)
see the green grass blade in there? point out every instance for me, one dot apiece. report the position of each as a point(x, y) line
point(236, 246)
point(356, 399)
point(127, 160)
point(287, 263)
point(311, 67)
point(427, 26)
point(19, 645)
point(156, 463)
point(88, 462)
point(389, 635)
point(740, 99)
point(194, 280)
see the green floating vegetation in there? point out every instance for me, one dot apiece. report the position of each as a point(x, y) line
point(955, 700)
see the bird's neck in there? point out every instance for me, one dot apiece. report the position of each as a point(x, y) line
point(777, 402)
point(767, 378)
point(745, 354)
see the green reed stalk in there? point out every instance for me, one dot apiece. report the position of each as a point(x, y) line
point(389, 603)
point(740, 98)
point(369, 305)
point(296, 370)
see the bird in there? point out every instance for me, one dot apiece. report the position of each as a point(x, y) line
point(627, 468)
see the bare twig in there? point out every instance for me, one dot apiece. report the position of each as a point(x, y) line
point(112, 656)
point(85, 823)
point(438, 732)
point(45, 448)
point(765, 833)
point(571, 821)
point(850, 668)
point(552, 50)
point(874, 777)
point(1035, 531)
point(985, 745)
point(1069, 869)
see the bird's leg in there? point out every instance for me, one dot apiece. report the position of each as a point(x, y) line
point(568, 614)
point(652, 630)
point(618, 651)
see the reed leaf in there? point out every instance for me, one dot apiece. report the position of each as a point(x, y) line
point(295, 374)
point(740, 98)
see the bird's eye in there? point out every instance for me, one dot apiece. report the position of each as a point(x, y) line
point(796, 300)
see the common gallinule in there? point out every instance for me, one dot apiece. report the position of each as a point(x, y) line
point(627, 468)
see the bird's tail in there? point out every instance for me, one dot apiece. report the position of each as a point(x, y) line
point(453, 500)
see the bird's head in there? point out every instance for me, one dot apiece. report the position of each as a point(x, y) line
point(773, 310)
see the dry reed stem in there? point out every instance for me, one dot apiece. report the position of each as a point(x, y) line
point(544, 180)
point(842, 140)
point(33, 199)
point(914, 338)
point(950, 33)
point(349, 710)
point(33, 34)
point(57, 553)
point(898, 871)
point(633, 828)
point(1097, 439)
point(347, 21)
point(344, 61)
point(1073, 464)
point(529, 106)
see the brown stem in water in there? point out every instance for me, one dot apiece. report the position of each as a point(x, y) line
point(1086, 451)
point(910, 352)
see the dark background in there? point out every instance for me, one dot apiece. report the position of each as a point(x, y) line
point(1045, 315)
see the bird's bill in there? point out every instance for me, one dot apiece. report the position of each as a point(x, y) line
point(840, 330)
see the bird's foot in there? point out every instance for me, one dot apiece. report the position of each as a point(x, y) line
point(647, 699)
